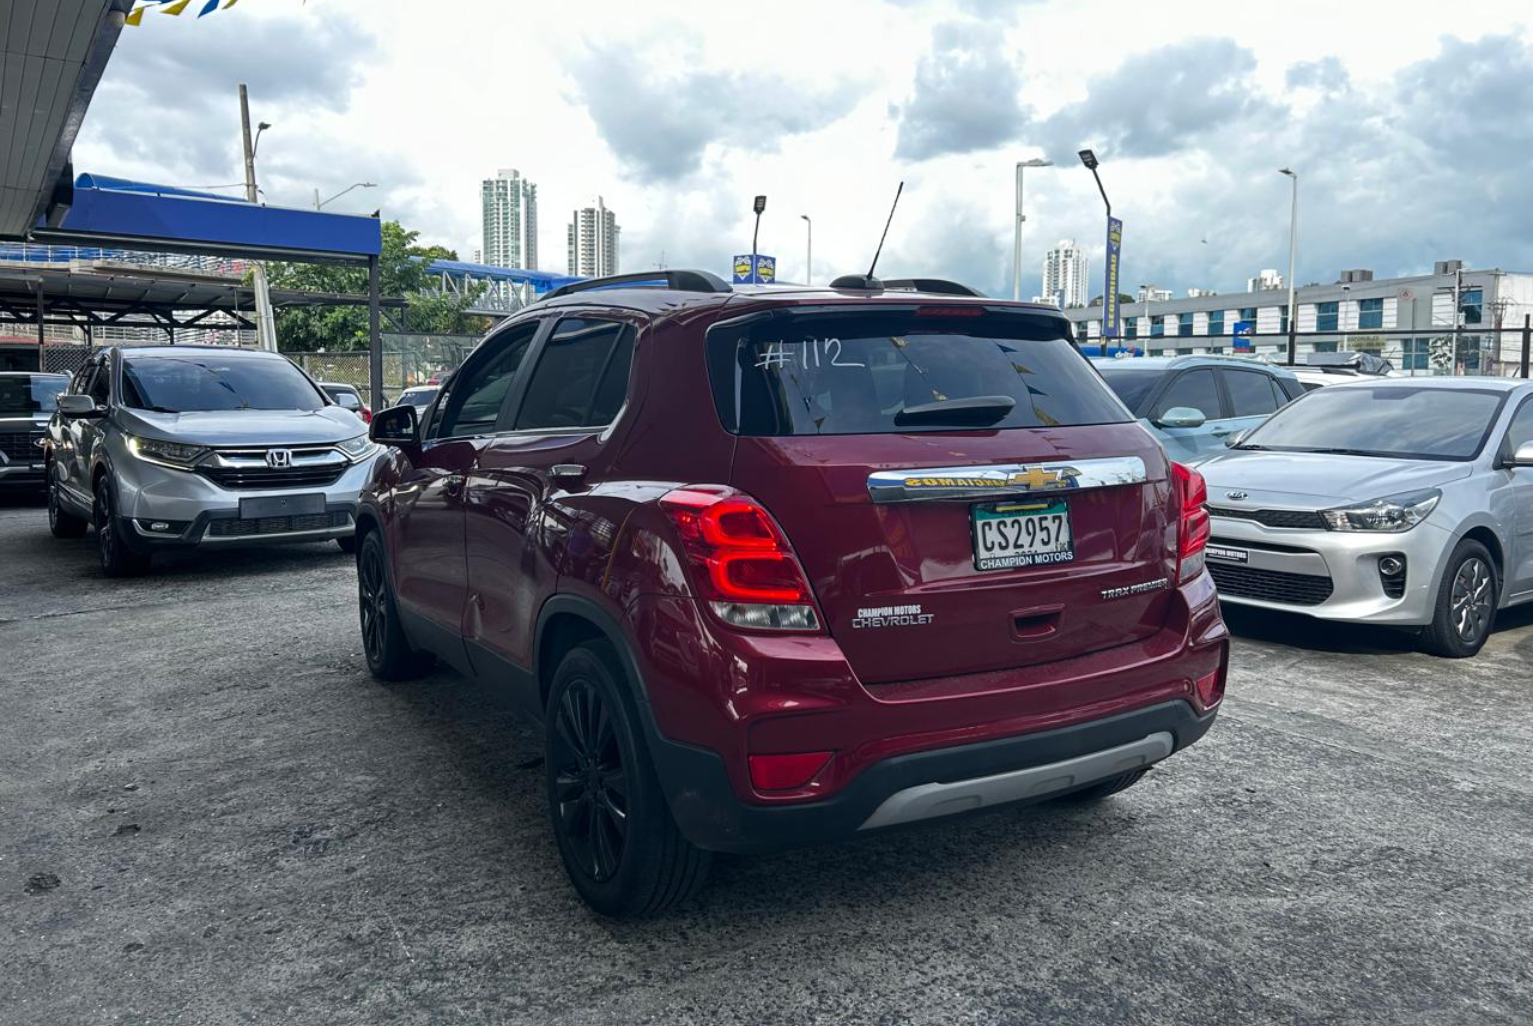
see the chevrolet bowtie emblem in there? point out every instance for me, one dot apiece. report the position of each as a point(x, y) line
point(1035, 478)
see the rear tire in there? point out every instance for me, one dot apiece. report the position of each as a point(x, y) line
point(620, 845)
point(1102, 788)
point(115, 546)
point(387, 650)
point(61, 522)
point(1466, 603)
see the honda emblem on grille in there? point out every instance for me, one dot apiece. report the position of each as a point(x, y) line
point(279, 459)
point(1237, 496)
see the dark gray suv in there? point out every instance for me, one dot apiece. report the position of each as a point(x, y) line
point(27, 400)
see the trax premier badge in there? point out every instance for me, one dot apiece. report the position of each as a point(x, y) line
point(891, 616)
point(1142, 588)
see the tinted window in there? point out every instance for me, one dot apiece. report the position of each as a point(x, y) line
point(1194, 389)
point(25, 394)
point(886, 371)
point(581, 378)
point(101, 384)
point(214, 381)
point(1416, 423)
point(1250, 393)
point(1133, 385)
point(474, 403)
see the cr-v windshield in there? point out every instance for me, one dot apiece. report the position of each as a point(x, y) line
point(213, 381)
point(22, 395)
point(1398, 421)
point(865, 370)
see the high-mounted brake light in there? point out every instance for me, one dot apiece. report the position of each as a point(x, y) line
point(743, 566)
point(950, 311)
point(1193, 530)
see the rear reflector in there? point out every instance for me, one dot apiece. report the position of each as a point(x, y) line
point(785, 772)
point(1210, 689)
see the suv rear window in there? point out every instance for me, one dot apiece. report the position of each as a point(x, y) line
point(847, 371)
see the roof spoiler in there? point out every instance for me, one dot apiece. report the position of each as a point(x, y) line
point(674, 281)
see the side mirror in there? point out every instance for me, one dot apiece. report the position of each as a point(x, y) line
point(1523, 457)
point(1237, 438)
point(397, 425)
point(80, 406)
point(1181, 417)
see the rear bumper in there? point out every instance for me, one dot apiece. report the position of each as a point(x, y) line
point(923, 785)
point(916, 750)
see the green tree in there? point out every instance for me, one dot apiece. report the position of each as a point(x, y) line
point(402, 275)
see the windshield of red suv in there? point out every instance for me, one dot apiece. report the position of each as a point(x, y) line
point(886, 370)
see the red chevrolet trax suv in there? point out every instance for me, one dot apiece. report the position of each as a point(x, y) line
point(776, 565)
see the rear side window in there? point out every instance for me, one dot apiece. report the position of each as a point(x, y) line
point(1251, 393)
point(1132, 384)
point(845, 371)
point(1194, 389)
point(581, 378)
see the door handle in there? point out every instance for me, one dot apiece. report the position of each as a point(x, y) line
point(569, 473)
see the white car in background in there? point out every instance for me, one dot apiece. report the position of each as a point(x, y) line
point(1399, 501)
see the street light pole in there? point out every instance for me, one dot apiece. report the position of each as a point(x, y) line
point(359, 185)
point(266, 328)
point(808, 250)
point(1109, 303)
point(759, 207)
point(1293, 248)
point(1016, 255)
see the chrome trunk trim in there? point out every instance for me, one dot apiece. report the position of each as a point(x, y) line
point(998, 481)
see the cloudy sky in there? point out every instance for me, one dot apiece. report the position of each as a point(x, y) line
point(1408, 123)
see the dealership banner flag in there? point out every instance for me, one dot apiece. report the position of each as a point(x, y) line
point(1110, 318)
point(174, 8)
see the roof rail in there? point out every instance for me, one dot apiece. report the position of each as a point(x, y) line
point(941, 286)
point(675, 281)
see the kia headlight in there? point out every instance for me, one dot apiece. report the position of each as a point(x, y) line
point(167, 454)
point(357, 447)
point(1392, 514)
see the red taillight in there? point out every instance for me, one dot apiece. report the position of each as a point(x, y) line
point(745, 568)
point(785, 772)
point(367, 415)
point(1194, 529)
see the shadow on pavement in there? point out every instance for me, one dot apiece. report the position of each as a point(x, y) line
point(1298, 631)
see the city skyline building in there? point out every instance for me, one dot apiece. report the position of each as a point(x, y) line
point(1266, 280)
point(1064, 274)
point(593, 236)
point(510, 227)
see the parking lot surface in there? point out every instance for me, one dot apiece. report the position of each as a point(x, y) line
point(211, 814)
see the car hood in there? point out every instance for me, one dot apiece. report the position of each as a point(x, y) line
point(245, 427)
point(1302, 480)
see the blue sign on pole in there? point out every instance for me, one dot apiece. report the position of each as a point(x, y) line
point(1111, 326)
point(757, 269)
point(1243, 332)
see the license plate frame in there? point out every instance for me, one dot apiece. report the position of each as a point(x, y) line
point(1052, 554)
point(256, 507)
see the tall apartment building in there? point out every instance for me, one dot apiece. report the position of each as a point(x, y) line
point(593, 242)
point(510, 220)
point(1268, 280)
point(1064, 274)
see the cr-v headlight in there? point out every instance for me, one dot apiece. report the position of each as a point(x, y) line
point(356, 447)
point(167, 454)
point(1394, 513)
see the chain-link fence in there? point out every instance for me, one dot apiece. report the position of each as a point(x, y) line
point(408, 360)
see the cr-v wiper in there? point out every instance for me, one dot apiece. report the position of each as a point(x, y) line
point(978, 409)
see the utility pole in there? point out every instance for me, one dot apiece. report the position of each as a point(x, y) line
point(808, 250)
point(266, 328)
point(1016, 246)
point(1293, 248)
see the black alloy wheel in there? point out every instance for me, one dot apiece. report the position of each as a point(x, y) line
point(387, 650)
point(61, 522)
point(590, 782)
point(118, 558)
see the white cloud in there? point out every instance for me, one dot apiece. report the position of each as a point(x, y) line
point(677, 113)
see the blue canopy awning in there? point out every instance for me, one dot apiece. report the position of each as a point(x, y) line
point(141, 215)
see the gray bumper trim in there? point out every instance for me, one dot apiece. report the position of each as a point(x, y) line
point(928, 801)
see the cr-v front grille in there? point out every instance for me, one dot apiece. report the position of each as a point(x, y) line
point(1303, 519)
point(1270, 585)
point(266, 477)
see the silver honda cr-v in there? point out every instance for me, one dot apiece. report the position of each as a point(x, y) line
point(166, 446)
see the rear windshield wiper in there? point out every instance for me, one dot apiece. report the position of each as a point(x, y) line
point(980, 409)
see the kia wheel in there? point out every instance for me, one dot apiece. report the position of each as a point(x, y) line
point(1466, 603)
